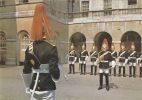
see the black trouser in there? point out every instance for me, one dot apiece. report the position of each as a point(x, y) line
point(130, 71)
point(71, 68)
point(101, 79)
point(140, 71)
point(123, 70)
point(95, 69)
point(114, 71)
point(83, 68)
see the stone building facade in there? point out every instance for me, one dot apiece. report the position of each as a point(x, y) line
point(72, 21)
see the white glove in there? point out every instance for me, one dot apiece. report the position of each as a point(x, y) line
point(113, 64)
point(27, 90)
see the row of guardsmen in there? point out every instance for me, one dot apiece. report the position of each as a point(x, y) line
point(122, 59)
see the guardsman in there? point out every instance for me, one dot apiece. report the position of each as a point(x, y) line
point(93, 58)
point(132, 59)
point(139, 62)
point(104, 57)
point(41, 69)
point(114, 55)
point(122, 59)
point(72, 59)
point(83, 59)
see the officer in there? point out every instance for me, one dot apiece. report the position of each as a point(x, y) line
point(114, 55)
point(123, 59)
point(72, 60)
point(83, 59)
point(132, 60)
point(93, 58)
point(104, 57)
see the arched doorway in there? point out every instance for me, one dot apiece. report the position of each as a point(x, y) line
point(23, 44)
point(129, 37)
point(78, 39)
point(99, 39)
point(2, 48)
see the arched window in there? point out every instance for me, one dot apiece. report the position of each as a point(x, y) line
point(78, 39)
point(129, 37)
point(24, 42)
point(98, 39)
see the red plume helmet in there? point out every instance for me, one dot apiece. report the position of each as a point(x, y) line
point(40, 25)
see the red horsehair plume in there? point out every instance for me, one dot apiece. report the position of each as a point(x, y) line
point(40, 26)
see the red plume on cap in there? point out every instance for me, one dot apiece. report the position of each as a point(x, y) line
point(40, 26)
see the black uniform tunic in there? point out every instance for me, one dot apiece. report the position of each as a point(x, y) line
point(124, 56)
point(104, 64)
point(114, 54)
point(93, 55)
point(72, 55)
point(47, 54)
point(134, 56)
point(83, 55)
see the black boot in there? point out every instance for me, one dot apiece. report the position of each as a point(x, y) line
point(84, 69)
point(107, 82)
point(73, 69)
point(114, 71)
point(101, 81)
point(130, 71)
point(134, 71)
point(81, 65)
point(95, 67)
point(91, 70)
point(119, 71)
point(110, 71)
point(140, 72)
point(124, 75)
point(69, 69)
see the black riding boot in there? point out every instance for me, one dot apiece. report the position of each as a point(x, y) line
point(140, 72)
point(70, 68)
point(114, 71)
point(91, 70)
point(124, 75)
point(73, 68)
point(110, 71)
point(81, 65)
point(119, 70)
point(95, 68)
point(101, 81)
point(107, 82)
point(130, 71)
point(134, 71)
point(84, 69)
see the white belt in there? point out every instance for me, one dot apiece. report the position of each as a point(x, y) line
point(104, 61)
point(44, 68)
point(40, 71)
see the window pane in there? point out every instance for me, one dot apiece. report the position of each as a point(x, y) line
point(132, 2)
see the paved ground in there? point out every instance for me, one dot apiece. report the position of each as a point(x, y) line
point(77, 87)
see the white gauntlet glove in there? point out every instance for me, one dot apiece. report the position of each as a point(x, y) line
point(27, 90)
